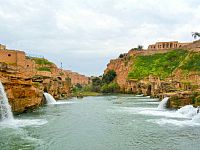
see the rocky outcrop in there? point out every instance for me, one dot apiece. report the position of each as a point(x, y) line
point(121, 67)
point(25, 90)
point(21, 93)
point(182, 85)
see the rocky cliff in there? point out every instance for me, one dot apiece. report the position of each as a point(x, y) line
point(26, 79)
point(158, 73)
point(21, 93)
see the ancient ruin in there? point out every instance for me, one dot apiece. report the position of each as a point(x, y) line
point(166, 45)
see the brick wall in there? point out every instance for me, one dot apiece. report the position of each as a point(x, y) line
point(8, 56)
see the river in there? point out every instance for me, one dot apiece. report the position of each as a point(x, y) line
point(118, 122)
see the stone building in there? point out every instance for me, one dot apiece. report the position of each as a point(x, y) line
point(12, 57)
point(16, 58)
point(2, 47)
point(166, 45)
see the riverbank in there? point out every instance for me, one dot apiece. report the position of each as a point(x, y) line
point(84, 94)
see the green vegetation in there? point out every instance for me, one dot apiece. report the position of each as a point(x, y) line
point(79, 90)
point(192, 62)
point(105, 84)
point(121, 55)
point(139, 48)
point(161, 65)
point(44, 69)
point(109, 76)
point(112, 87)
point(41, 61)
point(96, 84)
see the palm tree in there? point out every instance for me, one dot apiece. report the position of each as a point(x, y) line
point(195, 34)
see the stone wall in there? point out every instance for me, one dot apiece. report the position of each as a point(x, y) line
point(77, 78)
point(13, 57)
point(166, 45)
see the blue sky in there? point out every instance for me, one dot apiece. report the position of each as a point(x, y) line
point(84, 35)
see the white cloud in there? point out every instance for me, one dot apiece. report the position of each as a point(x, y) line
point(94, 31)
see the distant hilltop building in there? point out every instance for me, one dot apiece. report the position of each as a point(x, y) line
point(2, 47)
point(166, 45)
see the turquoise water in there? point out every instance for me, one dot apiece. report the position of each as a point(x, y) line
point(120, 122)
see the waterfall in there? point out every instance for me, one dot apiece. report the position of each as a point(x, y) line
point(49, 98)
point(163, 103)
point(5, 108)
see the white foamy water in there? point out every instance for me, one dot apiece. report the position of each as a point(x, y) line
point(185, 116)
point(16, 123)
point(188, 113)
point(181, 123)
point(59, 103)
point(163, 103)
point(5, 108)
point(49, 98)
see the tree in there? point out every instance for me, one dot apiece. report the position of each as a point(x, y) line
point(96, 81)
point(112, 87)
point(79, 86)
point(96, 84)
point(121, 55)
point(140, 47)
point(195, 34)
point(109, 76)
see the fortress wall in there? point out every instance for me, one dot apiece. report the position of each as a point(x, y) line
point(29, 65)
point(8, 56)
point(20, 58)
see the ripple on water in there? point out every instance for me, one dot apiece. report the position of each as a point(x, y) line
point(13, 137)
point(16, 123)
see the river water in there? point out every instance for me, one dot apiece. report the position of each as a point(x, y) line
point(119, 122)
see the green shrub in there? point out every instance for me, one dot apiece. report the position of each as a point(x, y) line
point(112, 87)
point(109, 76)
point(96, 84)
point(161, 65)
point(44, 69)
point(41, 61)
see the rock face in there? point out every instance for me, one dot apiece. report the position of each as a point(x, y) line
point(25, 92)
point(26, 79)
point(21, 93)
point(182, 85)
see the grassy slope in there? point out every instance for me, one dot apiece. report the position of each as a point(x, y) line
point(191, 63)
point(162, 65)
point(45, 65)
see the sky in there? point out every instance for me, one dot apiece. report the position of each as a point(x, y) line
point(85, 34)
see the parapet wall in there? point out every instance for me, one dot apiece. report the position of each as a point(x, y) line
point(12, 57)
point(166, 45)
